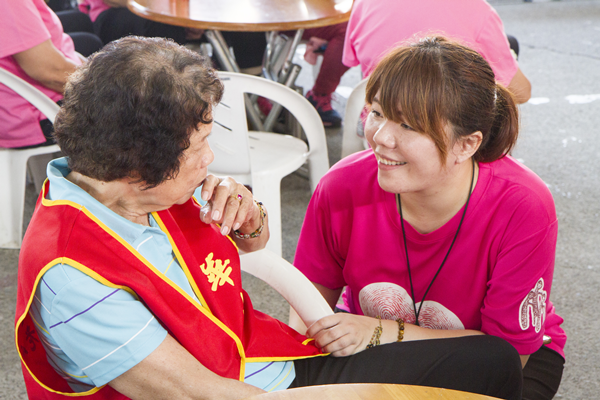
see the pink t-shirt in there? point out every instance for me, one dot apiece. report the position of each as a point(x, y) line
point(498, 275)
point(376, 26)
point(93, 8)
point(25, 24)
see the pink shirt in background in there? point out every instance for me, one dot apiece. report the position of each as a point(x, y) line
point(93, 8)
point(376, 26)
point(25, 24)
point(497, 278)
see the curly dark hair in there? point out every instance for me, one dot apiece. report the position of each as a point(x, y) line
point(130, 109)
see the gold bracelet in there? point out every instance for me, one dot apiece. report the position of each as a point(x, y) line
point(259, 230)
point(375, 339)
point(400, 322)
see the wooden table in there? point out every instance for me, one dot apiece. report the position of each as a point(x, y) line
point(249, 15)
point(370, 392)
point(244, 15)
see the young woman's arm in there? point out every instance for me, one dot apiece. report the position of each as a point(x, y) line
point(343, 334)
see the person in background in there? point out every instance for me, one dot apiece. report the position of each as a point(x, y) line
point(127, 287)
point(436, 227)
point(328, 41)
point(112, 20)
point(376, 26)
point(35, 48)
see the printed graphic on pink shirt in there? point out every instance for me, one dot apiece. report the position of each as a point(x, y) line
point(533, 307)
point(390, 301)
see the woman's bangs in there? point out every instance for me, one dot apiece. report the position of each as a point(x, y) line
point(405, 94)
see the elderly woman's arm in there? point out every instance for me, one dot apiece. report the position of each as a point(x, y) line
point(171, 372)
point(46, 64)
point(232, 205)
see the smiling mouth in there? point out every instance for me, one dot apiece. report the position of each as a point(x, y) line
point(385, 161)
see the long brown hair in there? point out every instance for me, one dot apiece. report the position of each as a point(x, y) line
point(435, 83)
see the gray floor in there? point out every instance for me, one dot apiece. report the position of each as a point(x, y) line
point(560, 53)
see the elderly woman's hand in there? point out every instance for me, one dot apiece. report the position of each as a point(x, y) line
point(232, 205)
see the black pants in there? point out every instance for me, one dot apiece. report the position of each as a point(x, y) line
point(116, 23)
point(79, 27)
point(542, 374)
point(514, 44)
point(478, 364)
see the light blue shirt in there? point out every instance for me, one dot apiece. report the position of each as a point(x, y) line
point(93, 333)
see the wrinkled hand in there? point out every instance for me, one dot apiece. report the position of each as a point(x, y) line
point(343, 334)
point(223, 206)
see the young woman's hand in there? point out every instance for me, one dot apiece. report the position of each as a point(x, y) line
point(343, 334)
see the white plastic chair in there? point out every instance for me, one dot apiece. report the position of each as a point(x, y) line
point(351, 141)
point(261, 159)
point(299, 292)
point(13, 165)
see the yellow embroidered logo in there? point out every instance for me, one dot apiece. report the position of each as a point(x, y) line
point(217, 272)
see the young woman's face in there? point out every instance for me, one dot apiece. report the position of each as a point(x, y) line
point(408, 161)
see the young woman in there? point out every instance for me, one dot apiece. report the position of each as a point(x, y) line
point(436, 232)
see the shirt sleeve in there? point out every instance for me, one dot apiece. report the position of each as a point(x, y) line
point(316, 254)
point(518, 296)
point(493, 45)
point(21, 27)
point(102, 331)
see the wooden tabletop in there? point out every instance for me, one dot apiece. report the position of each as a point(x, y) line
point(244, 15)
point(370, 392)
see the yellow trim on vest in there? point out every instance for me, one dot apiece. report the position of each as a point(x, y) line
point(202, 308)
point(205, 310)
point(23, 316)
point(182, 262)
point(51, 203)
point(269, 359)
point(308, 340)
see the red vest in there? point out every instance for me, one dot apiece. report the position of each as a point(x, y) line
point(232, 332)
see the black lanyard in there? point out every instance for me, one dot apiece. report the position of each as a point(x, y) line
point(412, 291)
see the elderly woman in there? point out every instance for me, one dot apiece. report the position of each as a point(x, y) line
point(128, 288)
point(436, 229)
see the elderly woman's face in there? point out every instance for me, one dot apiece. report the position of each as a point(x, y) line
point(192, 171)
